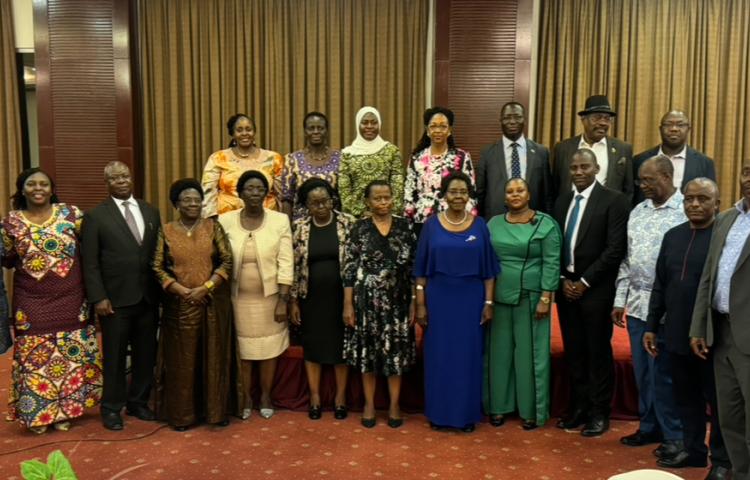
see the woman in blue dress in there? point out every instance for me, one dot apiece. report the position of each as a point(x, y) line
point(455, 271)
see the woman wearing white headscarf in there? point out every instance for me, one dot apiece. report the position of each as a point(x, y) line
point(369, 158)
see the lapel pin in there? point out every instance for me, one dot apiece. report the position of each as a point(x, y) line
point(613, 150)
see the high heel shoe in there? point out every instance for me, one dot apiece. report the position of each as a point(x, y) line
point(39, 430)
point(529, 425)
point(340, 412)
point(61, 426)
point(368, 422)
point(395, 422)
point(497, 420)
point(314, 412)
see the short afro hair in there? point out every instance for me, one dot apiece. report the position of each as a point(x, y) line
point(180, 186)
point(252, 174)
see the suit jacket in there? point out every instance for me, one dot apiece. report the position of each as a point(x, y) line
point(619, 170)
point(273, 243)
point(115, 267)
point(602, 239)
point(492, 175)
point(696, 165)
point(702, 325)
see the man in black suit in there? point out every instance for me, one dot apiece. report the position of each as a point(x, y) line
point(118, 239)
point(688, 163)
point(615, 157)
point(513, 156)
point(594, 221)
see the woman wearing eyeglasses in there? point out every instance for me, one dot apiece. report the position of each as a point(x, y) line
point(318, 292)
point(434, 157)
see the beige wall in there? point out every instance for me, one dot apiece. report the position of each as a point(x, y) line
point(23, 24)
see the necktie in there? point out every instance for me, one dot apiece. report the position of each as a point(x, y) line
point(515, 162)
point(567, 247)
point(130, 220)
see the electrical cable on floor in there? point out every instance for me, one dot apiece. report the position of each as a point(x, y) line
point(78, 440)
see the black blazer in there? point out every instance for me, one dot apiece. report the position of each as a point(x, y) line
point(602, 239)
point(696, 165)
point(619, 169)
point(492, 175)
point(115, 267)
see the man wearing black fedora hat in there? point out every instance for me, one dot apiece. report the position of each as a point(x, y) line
point(615, 157)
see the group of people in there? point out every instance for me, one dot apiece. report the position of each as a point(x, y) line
point(354, 249)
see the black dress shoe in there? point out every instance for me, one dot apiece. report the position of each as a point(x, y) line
point(468, 428)
point(529, 425)
point(340, 412)
point(668, 449)
point(314, 412)
point(141, 412)
point(368, 422)
point(395, 422)
point(181, 428)
point(719, 473)
point(639, 438)
point(574, 420)
point(112, 421)
point(680, 460)
point(222, 423)
point(595, 427)
point(497, 420)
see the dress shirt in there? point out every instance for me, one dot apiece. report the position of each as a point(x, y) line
point(602, 157)
point(509, 154)
point(678, 162)
point(730, 254)
point(646, 228)
point(135, 209)
point(581, 209)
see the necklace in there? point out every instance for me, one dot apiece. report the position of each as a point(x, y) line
point(240, 154)
point(325, 224)
point(317, 157)
point(189, 230)
point(461, 222)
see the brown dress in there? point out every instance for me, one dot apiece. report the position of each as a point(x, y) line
point(196, 348)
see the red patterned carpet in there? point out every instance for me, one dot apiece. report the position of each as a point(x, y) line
point(291, 446)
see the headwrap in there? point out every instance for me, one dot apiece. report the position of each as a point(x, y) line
point(360, 146)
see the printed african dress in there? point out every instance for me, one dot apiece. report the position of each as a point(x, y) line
point(57, 369)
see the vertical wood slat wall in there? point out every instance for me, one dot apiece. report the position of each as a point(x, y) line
point(84, 93)
point(482, 60)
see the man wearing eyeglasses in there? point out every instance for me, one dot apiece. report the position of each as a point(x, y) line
point(615, 157)
point(688, 163)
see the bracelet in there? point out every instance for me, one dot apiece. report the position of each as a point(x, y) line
point(209, 285)
point(419, 287)
point(413, 297)
point(488, 302)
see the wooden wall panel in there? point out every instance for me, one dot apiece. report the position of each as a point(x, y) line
point(85, 106)
point(482, 60)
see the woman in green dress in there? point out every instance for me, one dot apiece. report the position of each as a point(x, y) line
point(517, 352)
point(369, 158)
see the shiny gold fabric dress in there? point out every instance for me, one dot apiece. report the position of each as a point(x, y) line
point(196, 345)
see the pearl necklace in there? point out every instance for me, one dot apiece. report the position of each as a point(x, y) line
point(319, 225)
point(461, 222)
point(189, 230)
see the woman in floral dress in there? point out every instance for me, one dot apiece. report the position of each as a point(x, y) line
point(434, 158)
point(56, 363)
point(377, 299)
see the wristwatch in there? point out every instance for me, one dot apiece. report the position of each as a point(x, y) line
point(545, 300)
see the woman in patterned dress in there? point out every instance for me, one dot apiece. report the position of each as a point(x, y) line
point(224, 168)
point(193, 263)
point(369, 158)
point(56, 363)
point(434, 157)
point(378, 300)
point(5, 339)
point(315, 160)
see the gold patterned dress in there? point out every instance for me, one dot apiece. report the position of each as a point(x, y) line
point(56, 370)
point(196, 348)
point(222, 171)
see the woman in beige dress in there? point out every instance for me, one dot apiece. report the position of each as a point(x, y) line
point(261, 242)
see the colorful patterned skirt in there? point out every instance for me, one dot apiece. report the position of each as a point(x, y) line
point(55, 376)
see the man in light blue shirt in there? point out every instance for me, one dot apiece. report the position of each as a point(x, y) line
point(649, 221)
